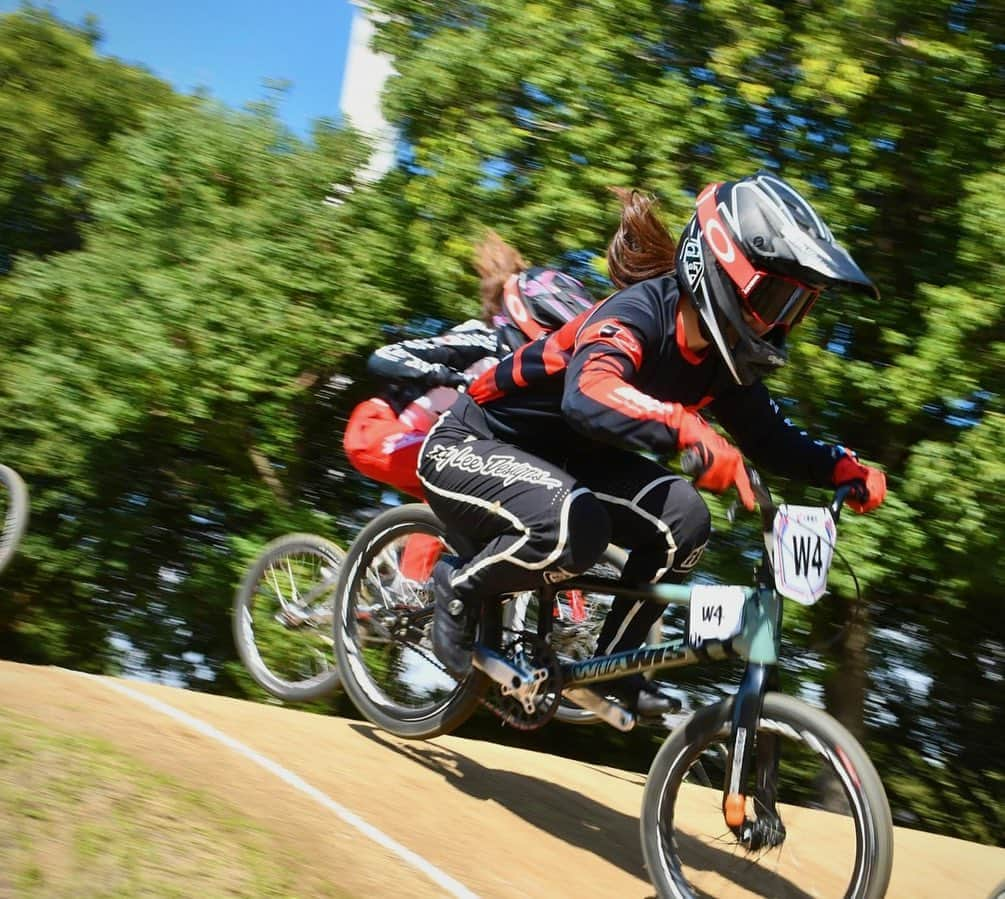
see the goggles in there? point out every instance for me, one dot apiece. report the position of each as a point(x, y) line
point(773, 300)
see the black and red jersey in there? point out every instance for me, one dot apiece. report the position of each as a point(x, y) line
point(618, 374)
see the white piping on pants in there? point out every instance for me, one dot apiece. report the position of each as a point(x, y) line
point(509, 554)
point(658, 523)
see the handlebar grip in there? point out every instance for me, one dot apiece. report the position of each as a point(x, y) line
point(854, 489)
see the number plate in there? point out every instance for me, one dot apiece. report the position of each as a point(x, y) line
point(716, 613)
point(804, 538)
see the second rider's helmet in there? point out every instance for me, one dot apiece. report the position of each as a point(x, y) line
point(753, 260)
point(538, 301)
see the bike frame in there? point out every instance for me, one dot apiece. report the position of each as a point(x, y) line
point(758, 642)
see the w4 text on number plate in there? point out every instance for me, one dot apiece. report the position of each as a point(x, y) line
point(716, 613)
point(804, 538)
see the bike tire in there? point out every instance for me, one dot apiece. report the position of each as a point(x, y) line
point(868, 815)
point(312, 685)
point(15, 513)
point(442, 714)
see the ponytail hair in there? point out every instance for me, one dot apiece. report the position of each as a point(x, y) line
point(642, 247)
point(496, 261)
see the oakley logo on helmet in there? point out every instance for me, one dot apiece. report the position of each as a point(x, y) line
point(717, 236)
point(515, 307)
point(720, 241)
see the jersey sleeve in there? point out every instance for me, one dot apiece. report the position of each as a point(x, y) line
point(432, 361)
point(599, 399)
point(763, 433)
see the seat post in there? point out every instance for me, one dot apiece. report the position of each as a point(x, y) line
point(545, 611)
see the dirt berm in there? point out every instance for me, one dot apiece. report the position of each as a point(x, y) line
point(499, 821)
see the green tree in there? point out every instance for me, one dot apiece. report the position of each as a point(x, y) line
point(61, 103)
point(155, 385)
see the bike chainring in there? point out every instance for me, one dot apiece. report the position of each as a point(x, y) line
point(530, 652)
point(526, 649)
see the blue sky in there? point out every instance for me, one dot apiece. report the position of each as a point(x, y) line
point(229, 46)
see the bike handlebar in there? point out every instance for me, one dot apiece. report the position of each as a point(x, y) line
point(690, 462)
point(693, 465)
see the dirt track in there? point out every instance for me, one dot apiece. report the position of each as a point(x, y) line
point(504, 822)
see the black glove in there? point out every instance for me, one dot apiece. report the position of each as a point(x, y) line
point(449, 378)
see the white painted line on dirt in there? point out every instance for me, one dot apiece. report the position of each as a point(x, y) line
point(415, 860)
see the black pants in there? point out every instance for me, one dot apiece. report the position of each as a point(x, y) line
point(539, 521)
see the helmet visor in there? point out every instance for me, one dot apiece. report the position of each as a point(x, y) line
point(776, 301)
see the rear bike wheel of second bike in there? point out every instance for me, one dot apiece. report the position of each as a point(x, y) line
point(832, 836)
point(579, 617)
point(13, 513)
point(383, 616)
point(578, 620)
point(282, 617)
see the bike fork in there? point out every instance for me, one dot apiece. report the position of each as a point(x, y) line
point(746, 714)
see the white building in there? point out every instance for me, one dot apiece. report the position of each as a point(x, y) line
point(362, 82)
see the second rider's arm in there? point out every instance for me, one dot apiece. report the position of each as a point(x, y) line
point(434, 361)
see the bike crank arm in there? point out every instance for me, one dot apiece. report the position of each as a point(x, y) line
point(617, 716)
point(522, 684)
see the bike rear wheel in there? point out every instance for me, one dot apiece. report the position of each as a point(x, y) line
point(13, 513)
point(837, 838)
point(383, 615)
point(283, 614)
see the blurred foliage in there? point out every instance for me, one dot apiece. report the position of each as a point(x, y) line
point(181, 294)
point(61, 104)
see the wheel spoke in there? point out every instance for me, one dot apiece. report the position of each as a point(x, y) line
point(382, 623)
point(400, 671)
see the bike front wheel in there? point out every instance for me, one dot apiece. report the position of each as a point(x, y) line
point(283, 615)
point(829, 834)
point(383, 616)
point(13, 513)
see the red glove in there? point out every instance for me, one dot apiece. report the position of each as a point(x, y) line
point(849, 470)
point(722, 462)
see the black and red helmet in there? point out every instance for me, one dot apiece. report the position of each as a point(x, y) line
point(536, 302)
point(753, 259)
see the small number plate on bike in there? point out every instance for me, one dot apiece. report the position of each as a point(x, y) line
point(804, 541)
point(716, 613)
